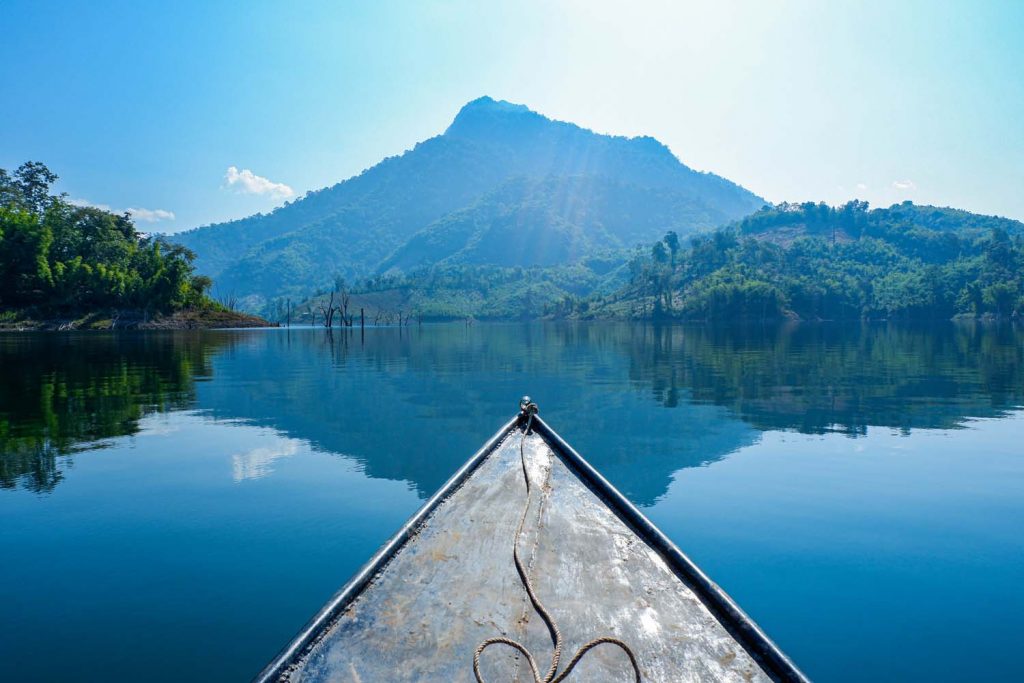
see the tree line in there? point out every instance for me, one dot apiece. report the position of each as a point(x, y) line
point(59, 257)
point(814, 261)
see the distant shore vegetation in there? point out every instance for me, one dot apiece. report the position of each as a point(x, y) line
point(816, 262)
point(787, 262)
point(61, 260)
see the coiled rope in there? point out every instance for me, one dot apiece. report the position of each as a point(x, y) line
point(552, 675)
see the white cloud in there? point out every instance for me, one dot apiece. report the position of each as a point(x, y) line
point(862, 186)
point(151, 215)
point(247, 182)
point(142, 215)
point(904, 184)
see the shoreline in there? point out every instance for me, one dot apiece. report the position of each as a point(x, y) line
point(23, 321)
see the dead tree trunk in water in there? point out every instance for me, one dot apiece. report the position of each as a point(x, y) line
point(328, 312)
point(346, 320)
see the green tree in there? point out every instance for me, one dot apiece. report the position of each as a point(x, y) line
point(672, 242)
point(28, 187)
point(25, 275)
point(1001, 298)
point(835, 264)
point(57, 256)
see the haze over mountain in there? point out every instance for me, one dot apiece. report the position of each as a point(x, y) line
point(503, 185)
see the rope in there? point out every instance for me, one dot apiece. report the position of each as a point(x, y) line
point(552, 675)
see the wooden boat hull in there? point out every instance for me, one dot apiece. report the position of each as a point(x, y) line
point(446, 581)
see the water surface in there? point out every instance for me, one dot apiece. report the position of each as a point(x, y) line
point(178, 504)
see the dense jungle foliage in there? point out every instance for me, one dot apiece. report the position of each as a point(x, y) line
point(57, 257)
point(813, 261)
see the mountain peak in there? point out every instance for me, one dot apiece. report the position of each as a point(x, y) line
point(491, 120)
point(489, 104)
point(500, 171)
point(484, 114)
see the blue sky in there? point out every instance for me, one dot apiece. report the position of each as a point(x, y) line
point(150, 106)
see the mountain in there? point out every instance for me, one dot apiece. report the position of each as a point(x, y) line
point(503, 185)
point(552, 221)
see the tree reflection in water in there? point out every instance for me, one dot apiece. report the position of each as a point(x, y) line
point(642, 402)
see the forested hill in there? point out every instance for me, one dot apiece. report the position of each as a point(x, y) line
point(64, 266)
point(813, 261)
point(500, 176)
point(57, 258)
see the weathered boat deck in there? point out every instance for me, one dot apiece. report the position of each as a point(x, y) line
point(453, 583)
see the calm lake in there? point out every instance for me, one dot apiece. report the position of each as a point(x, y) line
point(176, 505)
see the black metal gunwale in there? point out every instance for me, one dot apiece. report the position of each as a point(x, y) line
point(309, 634)
point(749, 635)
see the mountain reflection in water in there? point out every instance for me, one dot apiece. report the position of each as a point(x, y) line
point(641, 402)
